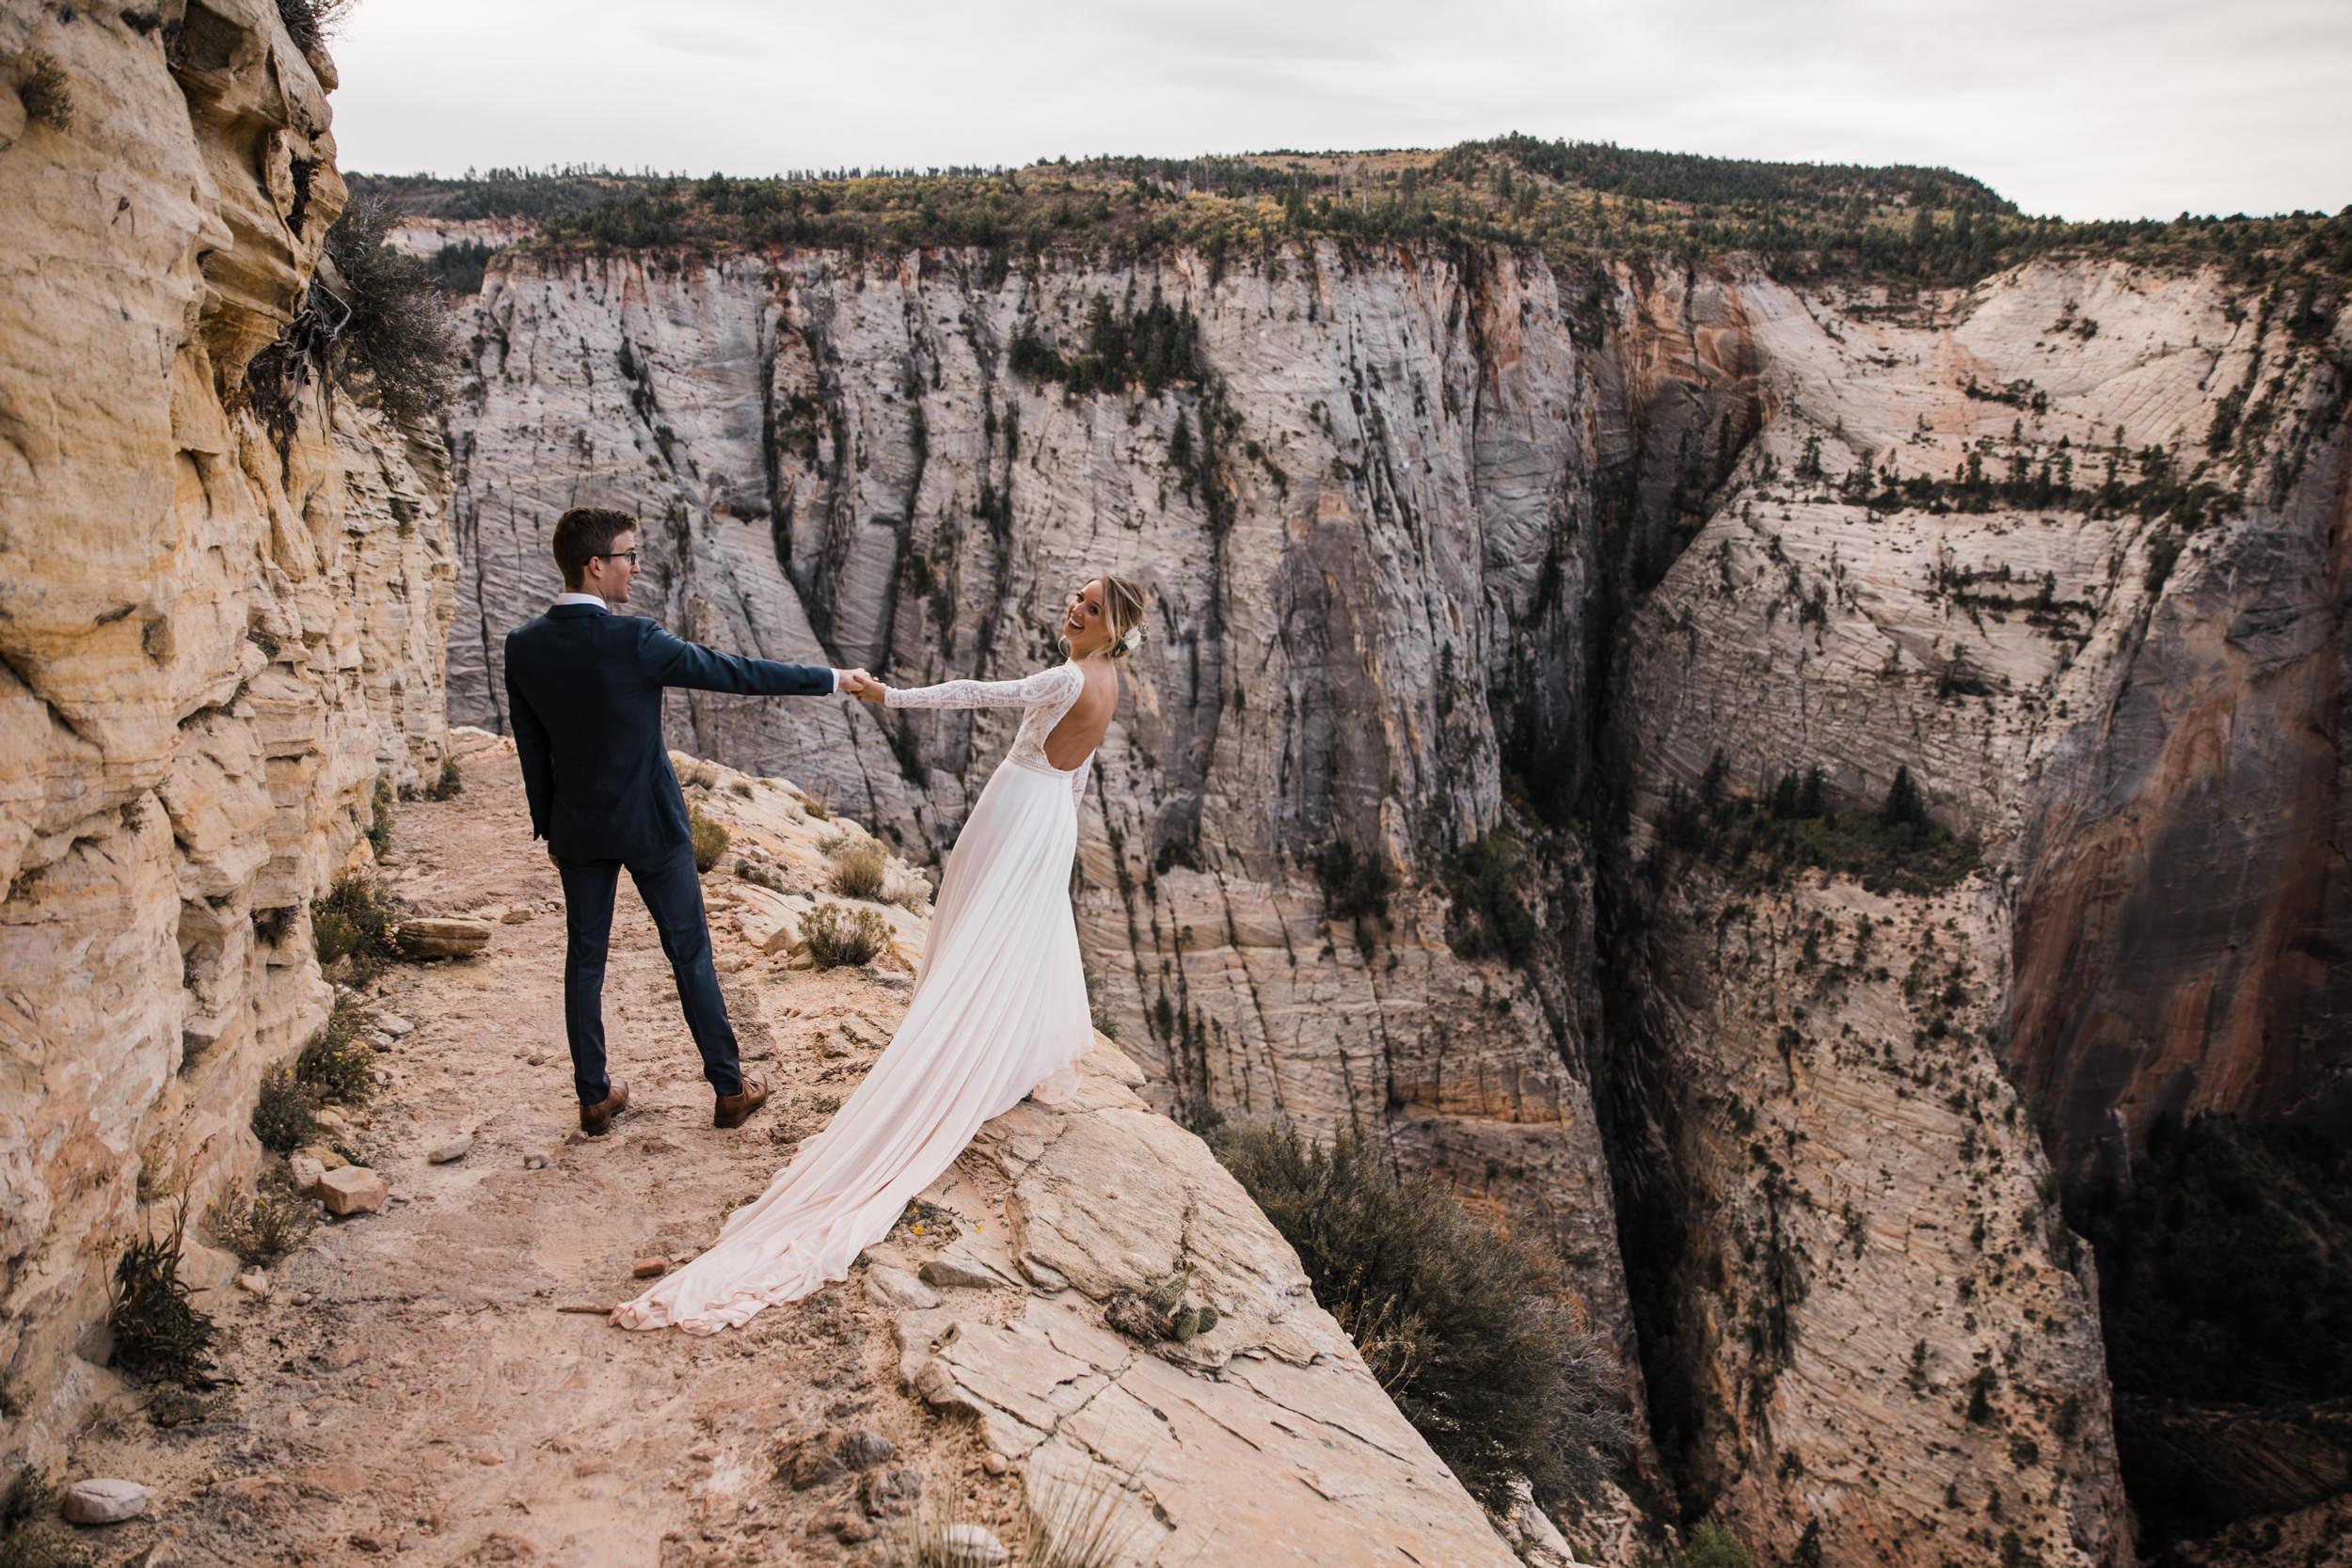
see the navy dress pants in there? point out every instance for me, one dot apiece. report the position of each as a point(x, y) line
point(673, 892)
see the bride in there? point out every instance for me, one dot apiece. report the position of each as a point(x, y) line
point(999, 1007)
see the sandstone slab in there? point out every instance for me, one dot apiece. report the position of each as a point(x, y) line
point(101, 1501)
point(443, 938)
point(353, 1190)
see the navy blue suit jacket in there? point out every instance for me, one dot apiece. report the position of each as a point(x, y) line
point(583, 689)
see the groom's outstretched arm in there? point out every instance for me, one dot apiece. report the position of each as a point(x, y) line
point(665, 661)
point(532, 750)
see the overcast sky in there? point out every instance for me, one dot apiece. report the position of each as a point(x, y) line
point(2083, 108)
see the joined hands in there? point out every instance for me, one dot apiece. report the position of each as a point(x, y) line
point(865, 687)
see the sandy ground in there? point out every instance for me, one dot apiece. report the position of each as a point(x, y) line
point(410, 1388)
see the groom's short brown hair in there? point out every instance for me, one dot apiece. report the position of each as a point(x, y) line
point(583, 533)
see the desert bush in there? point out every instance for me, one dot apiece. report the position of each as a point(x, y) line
point(262, 1228)
point(1791, 827)
point(1459, 1322)
point(396, 329)
point(836, 936)
point(380, 817)
point(710, 838)
point(31, 1533)
point(356, 919)
point(858, 871)
point(449, 785)
point(156, 1328)
point(285, 1117)
point(339, 1063)
point(1712, 1546)
point(311, 22)
point(1490, 882)
point(42, 88)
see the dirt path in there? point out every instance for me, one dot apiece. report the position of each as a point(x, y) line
point(410, 1386)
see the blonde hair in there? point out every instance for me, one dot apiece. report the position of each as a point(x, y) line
point(1122, 607)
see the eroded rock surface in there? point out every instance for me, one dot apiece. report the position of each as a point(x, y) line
point(211, 649)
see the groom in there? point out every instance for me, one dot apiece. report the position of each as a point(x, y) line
point(583, 686)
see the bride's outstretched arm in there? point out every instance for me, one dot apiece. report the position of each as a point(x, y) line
point(1026, 693)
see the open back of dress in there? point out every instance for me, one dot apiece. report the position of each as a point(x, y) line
point(999, 1010)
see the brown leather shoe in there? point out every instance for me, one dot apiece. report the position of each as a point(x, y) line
point(595, 1118)
point(734, 1110)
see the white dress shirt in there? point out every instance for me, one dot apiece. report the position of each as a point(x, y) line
point(598, 602)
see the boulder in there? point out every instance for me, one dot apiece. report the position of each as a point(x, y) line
point(451, 1151)
point(353, 1190)
point(890, 1287)
point(955, 1272)
point(443, 938)
point(307, 1174)
point(100, 1501)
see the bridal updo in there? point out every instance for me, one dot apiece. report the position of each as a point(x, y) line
point(1122, 607)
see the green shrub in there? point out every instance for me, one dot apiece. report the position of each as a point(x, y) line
point(285, 1117)
point(264, 1227)
point(836, 936)
point(356, 919)
point(1457, 1321)
point(380, 817)
point(1896, 845)
point(858, 871)
point(397, 332)
point(1712, 1546)
point(449, 786)
point(1488, 882)
point(2225, 1272)
point(710, 838)
point(156, 1328)
point(339, 1063)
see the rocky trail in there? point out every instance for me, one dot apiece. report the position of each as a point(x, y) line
point(417, 1383)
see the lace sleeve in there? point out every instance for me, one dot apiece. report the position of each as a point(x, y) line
point(1026, 692)
point(1078, 785)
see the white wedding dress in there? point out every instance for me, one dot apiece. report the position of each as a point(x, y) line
point(998, 1011)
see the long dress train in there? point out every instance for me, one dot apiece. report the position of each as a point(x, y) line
point(999, 1010)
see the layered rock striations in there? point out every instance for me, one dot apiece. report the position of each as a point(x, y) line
point(1367, 505)
point(2009, 541)
point(214, 643)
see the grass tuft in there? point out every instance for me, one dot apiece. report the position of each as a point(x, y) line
point(356, 919)
point(858, 871)
point(156, 1328)
point(285, 1117)
point(264, 1227)
point(836, 936)
point(710, 838)
point(339, 1063)
point(31, 1533)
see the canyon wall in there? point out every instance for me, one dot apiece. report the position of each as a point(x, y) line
point(212, 647)
point(1450, 552)
point(1373, 509)
point(2123, 687)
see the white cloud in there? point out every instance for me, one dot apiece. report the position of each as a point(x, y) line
point(2089, 108)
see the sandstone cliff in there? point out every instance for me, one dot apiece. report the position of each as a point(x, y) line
point(211, 649)
point(2115, 670)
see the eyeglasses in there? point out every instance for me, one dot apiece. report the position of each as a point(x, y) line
point(630, 556)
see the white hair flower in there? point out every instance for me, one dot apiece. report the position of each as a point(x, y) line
point(1133, 640)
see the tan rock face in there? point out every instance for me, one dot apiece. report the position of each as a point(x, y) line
point(1866, 1262)
point(209, 653)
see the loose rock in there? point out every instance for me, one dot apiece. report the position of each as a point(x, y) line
point(649, 1268)
point(516, 916)
point(100, 1501)
point(534, 1161)
point(451, 1151)
point(394, 1025)
point(442, 938)
point(954, 1273)
point(253, 1282)
point(353, 1191)
point(995, 1464)
point(862, 1449)
point(327, 1159)
point(973, 1543)
point(887, 1494)
point(306, 1174)
point(890, 1287)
